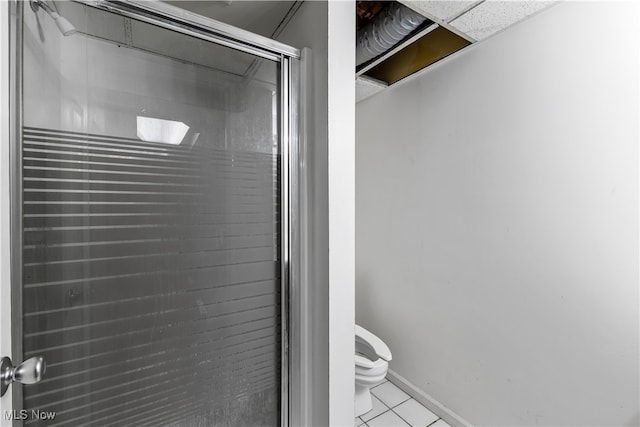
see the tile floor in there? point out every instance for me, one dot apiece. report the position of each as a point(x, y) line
point(393, 407)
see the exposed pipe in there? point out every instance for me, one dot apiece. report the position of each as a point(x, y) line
point(388, 28)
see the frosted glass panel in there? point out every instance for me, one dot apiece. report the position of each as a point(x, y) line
point(151, 245)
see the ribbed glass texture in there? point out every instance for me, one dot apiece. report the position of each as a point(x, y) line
point(151, 254)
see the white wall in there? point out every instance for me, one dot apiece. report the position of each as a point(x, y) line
point(328, 28)
point(497, 222)
point(342, 101)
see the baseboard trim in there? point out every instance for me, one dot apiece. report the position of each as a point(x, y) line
point(427, 400)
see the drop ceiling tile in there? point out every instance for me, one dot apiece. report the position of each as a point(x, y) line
point(366, 87)
point(443, 11)
point(490, 17)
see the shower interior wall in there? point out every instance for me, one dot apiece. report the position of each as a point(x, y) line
point(85, 84)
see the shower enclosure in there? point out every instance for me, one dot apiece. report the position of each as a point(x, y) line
point(153, 198)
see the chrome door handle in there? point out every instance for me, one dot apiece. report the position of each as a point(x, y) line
point(30, 371)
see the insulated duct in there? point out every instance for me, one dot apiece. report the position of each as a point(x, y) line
point(388, 28)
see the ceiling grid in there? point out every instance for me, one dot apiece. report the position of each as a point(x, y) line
point(474, 21)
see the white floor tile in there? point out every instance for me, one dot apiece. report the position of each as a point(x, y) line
point(378, 408)
point(358, 422)
point(440, 423)
point(389, 394)
point(388, 419)
point(415, 414)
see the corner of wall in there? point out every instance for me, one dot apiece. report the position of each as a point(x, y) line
point(341, 92)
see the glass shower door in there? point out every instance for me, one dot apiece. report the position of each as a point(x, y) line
point(151, 211)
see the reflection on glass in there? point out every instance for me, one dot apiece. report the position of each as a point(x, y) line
point(160, 130)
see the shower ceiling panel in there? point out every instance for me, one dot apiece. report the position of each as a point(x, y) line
point(260, 17)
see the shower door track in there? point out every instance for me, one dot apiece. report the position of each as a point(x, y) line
point(182, 21)
point(185, 22)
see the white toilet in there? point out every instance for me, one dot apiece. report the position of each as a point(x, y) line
point(372, 362)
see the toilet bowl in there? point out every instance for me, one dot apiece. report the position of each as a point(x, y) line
point(372, 362)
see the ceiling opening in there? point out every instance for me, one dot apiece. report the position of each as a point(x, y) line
point(449, 26)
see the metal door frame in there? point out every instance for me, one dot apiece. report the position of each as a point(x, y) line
point(185, 22)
